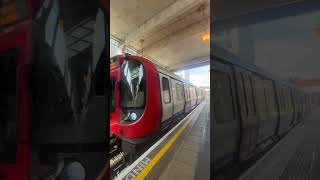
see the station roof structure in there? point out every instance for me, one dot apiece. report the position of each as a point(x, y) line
point(174, 33)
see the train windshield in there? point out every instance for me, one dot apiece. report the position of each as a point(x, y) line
point(132, 85)
point(12, 11)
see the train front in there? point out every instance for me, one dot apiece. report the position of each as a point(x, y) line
point(135, 105)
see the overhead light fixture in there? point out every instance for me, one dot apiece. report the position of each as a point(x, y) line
point(205, 37)
point(317, 31)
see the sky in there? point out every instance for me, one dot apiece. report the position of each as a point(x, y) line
point(288, 47)
point(200, 76)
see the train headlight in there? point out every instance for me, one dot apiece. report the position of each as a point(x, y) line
point(133, 116)
point(73, 170)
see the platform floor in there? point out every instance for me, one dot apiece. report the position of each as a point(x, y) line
point(295, 157)
point(192, 158)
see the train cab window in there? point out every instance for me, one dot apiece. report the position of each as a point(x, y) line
point(222, 97)
point(166, 90)
point(8, 106)
point(179, 92)
point(132, 88)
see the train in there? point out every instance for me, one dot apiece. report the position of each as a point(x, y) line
point(250, 109)
point(146, 100)
point(48, 98)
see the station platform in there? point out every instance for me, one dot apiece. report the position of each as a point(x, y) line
point(295, 157)
point(178, 153)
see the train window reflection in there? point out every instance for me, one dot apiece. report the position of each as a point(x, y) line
point(222, 97)
point(132, 88)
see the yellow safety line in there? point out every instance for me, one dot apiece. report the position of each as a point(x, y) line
point(159, 155)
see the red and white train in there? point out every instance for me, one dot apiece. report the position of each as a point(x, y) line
point(146, 100)
point(251, 110)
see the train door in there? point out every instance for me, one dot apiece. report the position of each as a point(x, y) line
point(167, 100)
point(225, 119)
point(178, 97)
point(249, 124)
point(187, 98)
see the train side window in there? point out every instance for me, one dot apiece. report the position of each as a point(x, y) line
point(179, 91)
point(8, 105)
point(166, 90)
point(222, 97)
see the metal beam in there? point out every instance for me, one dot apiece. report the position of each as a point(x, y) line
point(178, 35)
point(176, 9)
point(194, 63)
point(263, 14)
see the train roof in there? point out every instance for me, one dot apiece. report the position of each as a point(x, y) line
point(223, 55)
